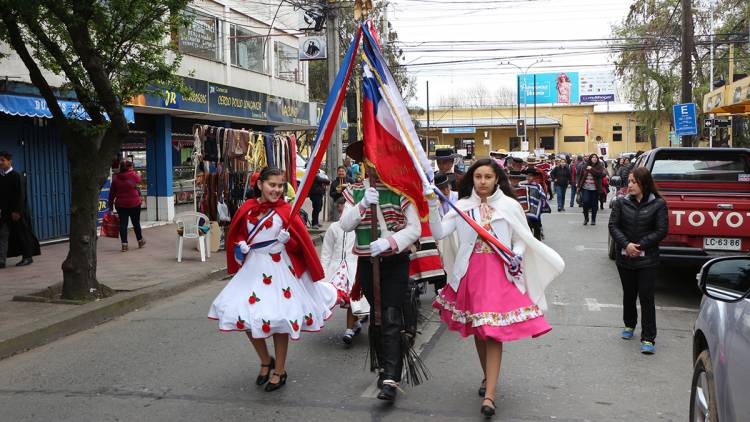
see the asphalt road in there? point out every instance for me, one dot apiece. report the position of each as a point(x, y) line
point(169, 363)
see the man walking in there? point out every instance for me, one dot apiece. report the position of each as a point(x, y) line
point(561, 178)
point(16, 237)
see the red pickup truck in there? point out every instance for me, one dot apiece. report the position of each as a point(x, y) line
point(708, 197)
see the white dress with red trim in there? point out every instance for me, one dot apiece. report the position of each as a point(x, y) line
point(265, 297)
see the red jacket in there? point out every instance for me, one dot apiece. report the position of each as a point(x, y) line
point(124, 191)
point(300, 247)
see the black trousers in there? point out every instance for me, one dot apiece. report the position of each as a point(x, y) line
point(317, 206)
point(639, 283)
point(394, 283)
point(134, 214)
point(590, 202)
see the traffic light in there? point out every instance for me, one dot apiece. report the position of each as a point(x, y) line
point(521, 128)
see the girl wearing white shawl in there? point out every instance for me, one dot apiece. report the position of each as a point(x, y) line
point(485, 297)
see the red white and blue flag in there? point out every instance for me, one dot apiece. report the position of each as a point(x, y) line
point(327, 123)
point(391, 142)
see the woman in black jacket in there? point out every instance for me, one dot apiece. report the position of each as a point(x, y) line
point(637, 224)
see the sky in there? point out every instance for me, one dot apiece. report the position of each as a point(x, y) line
point(443, 30)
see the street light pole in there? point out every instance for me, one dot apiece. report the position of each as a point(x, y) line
point(525, 103)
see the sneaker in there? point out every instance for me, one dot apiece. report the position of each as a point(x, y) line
point(357, 327)
point(647, 348)
point(627, 333)
point(348, 336)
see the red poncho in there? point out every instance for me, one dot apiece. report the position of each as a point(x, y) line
point(300, 247)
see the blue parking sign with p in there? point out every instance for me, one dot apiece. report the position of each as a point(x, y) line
point(685, 119)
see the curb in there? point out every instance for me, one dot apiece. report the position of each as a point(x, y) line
point(92, 314)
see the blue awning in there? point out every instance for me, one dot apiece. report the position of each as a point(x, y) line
point(18, 105)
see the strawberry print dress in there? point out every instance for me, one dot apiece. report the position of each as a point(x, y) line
point(265, 297)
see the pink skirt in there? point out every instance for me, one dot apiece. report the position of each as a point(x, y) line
point(488, 305)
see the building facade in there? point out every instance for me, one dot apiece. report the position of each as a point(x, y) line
point(241, 61)
point(569, 129)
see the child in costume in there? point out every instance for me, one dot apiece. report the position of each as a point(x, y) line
point(340, 266)
point(493, 299)
point(274, 292)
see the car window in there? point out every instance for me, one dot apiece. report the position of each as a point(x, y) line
point(714, 166)
point(730, 275)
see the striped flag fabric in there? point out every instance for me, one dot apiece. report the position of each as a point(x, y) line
point(327, 123)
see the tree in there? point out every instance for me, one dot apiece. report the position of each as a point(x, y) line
point(647, 52)
point(108, 52)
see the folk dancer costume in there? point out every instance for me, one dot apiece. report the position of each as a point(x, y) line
point(275, 288)
point(399, 227)
point(534, 202)
point(447, 246)
point(340, 265)
point(485, 296)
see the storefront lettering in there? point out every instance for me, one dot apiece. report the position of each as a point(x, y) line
point(697, 218)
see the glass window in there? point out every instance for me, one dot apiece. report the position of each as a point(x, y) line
point(246, 49)
point(287, 63)
point(701, 166)
point(731, 276)
point(574, 139)
point(616, 128)
point(641, 134)
point(617, 137)
point(202, 36)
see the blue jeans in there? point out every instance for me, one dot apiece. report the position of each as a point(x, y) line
point(572, 194)
point(560, 191)
point(590, 202)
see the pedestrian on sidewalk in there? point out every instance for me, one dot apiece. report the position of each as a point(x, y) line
point(494, 299)
point(316, 194)
point(604, 192)
point(274, 292)
point(339, 185)
point(575, 169)
point(125, 197)
point(561, 176)
point(16, 236)
point(340, 265)
point(589, 185)
point(638, 222)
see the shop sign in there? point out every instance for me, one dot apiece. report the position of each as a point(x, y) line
point(196, 100)
point(288, 111)
point(230, 101)
point(457, 130)
point(312, 48)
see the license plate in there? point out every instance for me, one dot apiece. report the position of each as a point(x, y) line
point(722, 243)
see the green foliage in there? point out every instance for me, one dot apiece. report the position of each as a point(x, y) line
point(648, 49)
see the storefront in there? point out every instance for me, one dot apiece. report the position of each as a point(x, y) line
point(28, 132)
point(730, 105)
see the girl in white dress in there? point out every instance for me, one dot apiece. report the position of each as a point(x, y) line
point(274, 292)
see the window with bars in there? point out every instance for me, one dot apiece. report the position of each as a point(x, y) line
point(287, 63)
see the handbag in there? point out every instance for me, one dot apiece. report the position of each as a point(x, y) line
point(223, 211)
point(111, 225)
point(578, 196)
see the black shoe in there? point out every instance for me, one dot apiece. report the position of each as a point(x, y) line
point(488, 411)
point(593, 222)
point(483, 388)
point(559, 210)
point(388, 392)
point(2, 265)
point(586, 222)
point(273, 387)
point(24, 262)
point(262, 379)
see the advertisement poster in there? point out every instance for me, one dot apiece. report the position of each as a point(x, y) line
point(567, 87)
point(596, 87)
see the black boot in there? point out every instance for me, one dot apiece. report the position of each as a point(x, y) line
point(585, 217)
point(391, 359)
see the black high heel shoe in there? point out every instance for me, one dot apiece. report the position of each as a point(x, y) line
point(488, 411)
point(482, 388)
point(273, 387)
point(262, 379)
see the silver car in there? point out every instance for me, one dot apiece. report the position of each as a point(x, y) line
point(721, 343)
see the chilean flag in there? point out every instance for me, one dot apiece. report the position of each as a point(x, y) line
point(327, 123)
point(391, 143)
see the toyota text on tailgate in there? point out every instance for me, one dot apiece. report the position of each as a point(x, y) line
point(708, 196)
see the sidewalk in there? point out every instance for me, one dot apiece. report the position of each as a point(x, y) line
point(140, 276)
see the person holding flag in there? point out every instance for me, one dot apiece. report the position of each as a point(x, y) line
point(495, 292)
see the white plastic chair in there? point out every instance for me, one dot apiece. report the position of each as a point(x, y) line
point(188, 227)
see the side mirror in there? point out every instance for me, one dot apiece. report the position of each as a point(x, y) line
point(726, 279)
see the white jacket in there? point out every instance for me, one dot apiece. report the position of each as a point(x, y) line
point(541, 264)
point(337, 247)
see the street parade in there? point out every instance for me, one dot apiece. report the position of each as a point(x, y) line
point(316, 238)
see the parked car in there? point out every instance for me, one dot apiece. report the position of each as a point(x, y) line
point(708, 196)
point(721, 342)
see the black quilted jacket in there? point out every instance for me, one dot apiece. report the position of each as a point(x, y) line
point(643, 223)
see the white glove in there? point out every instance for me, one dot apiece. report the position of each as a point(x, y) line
point(379, 246)
point(283, 236)
point(371, 197)
point(276, 248)
point(244, 247)
point(431, 196)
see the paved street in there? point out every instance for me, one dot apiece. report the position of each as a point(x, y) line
point(169, 363)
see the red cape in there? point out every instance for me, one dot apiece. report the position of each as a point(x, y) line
point(300, 247)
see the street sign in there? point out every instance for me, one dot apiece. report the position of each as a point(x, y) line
point(674, 139)
point(684, 119)
point(723, 123)
point(709, 122)
point(312, 48)
point(457, 130)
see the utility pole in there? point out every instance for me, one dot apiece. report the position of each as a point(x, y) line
point(427, 143)
point(711, 73)
point(535, 134)
point(687, 68)
point(333, 154)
